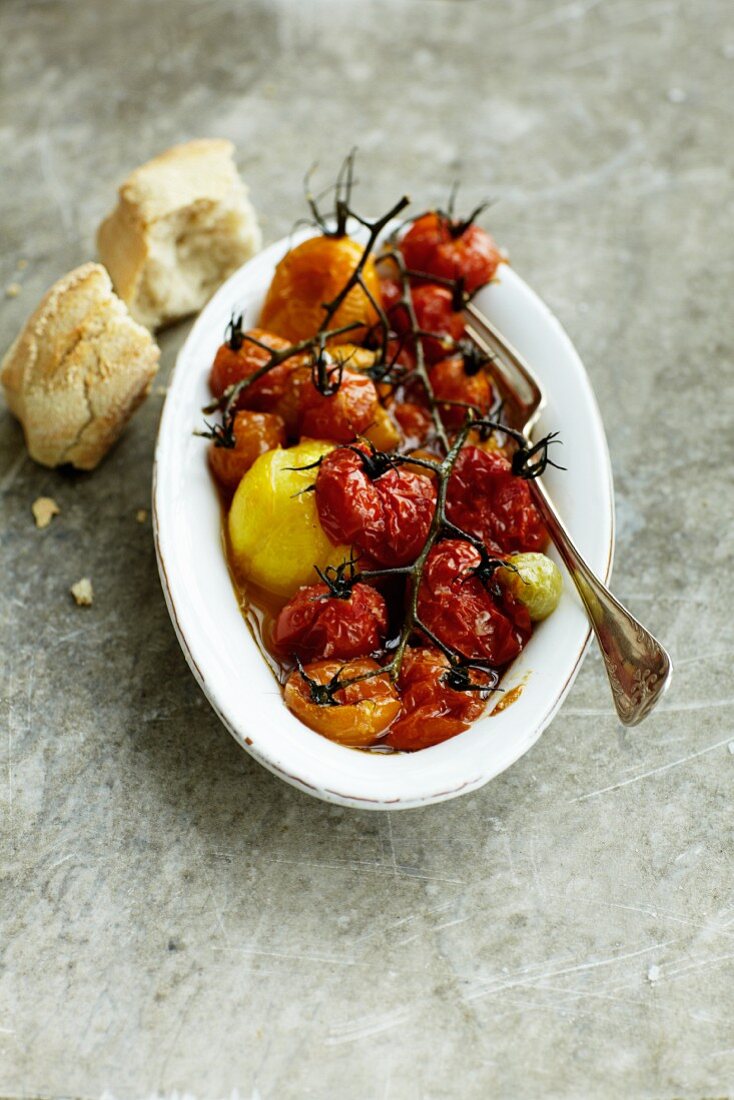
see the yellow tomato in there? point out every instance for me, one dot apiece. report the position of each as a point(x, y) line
point(353, 356)
point(382, 431)
point(313, 273)
point(274, 528)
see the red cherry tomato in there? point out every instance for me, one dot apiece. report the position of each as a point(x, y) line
point(361, 712)
point(432, 710)
point(342, 415)
point(315, 623)
point(388, 517)
point(415, 422)
point(400, 353)
point(391, 291)
point(231, 366)
point(254, 434)
point(452, 382)
point(433, 306)
point(437, 245)
point(461, 611)
point(488, 501)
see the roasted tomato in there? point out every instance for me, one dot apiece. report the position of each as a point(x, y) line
point(432, 710)
point(488, 501)
point(231, 366)
point(386, 516)
point(275, 536)
point(451, 249)
point(391, 290)
point(382, 432)
point(477, 620)
point(353, 356)
point(254, 434)
point(453, 382)
point(400, 353)
point(434, 313)
point(415, 421)
point(359, 713)
point(315, 623)
point(312, 274)
point(341, 415)
point(426, 456)
point(535, 581)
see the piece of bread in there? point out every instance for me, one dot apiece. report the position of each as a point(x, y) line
point(78, 370)
point(182, 224)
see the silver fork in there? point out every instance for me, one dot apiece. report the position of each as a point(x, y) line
point(638, 667)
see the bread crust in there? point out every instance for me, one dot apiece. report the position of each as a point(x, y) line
point(78, 370)
point(182, 224)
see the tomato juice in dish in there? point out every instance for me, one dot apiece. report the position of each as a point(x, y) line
point(379, 526)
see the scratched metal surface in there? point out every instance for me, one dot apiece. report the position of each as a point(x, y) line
point(174, 918)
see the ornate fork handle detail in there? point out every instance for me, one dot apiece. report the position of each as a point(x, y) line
point(638, 667)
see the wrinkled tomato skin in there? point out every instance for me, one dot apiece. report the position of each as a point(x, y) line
point(232, 366)
point(363, 712)
point(434, 312)
point(316, 624)
point(432, 711)
point(254, 434)
point(432, 246)
point(487, 500)
point(340, 416)
point(457, 607)
point(451, 382)
point(388, 518)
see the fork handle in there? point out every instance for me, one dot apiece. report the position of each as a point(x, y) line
point(638, 667)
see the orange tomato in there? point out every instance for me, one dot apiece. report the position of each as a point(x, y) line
point(311, 274)
point(361, 712)
point(254, 434)
point(452, 382)
point(234, 365)
point(342, 415)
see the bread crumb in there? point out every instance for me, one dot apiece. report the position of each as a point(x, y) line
point(22, 265)
point(44, 509)
point(12, 290)
point(653, 973)
point(141, 515)
point(160, 391)
point(82, 592)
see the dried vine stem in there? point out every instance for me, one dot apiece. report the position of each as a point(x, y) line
point(420, 369)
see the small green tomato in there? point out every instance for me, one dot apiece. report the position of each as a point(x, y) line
point(535, 581)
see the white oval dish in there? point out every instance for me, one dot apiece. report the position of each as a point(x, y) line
point(216, 640)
